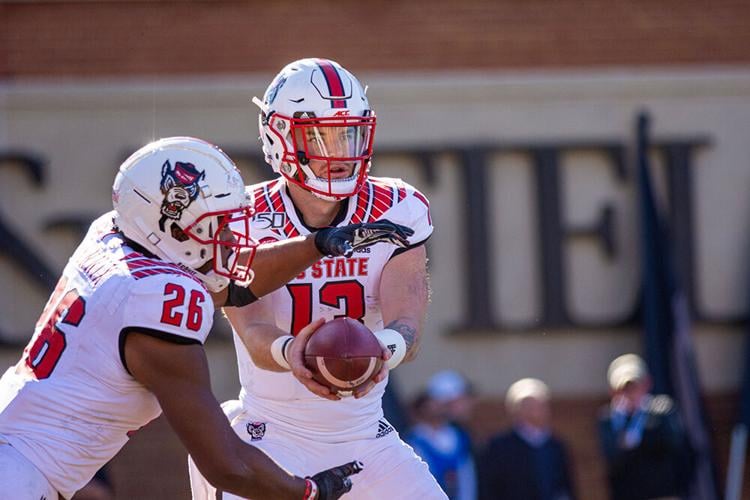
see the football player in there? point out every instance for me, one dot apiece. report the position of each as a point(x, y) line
point(121, 338)
point(317, 131)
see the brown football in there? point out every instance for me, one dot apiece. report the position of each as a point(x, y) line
point(343, 354)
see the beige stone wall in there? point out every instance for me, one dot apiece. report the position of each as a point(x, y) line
point(86, 128)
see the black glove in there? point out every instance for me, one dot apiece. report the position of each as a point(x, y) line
point(333, 483)
point(337, 241)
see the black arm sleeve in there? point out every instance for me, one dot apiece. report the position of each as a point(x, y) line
point(238, 296)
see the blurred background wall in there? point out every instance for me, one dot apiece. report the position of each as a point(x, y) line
point(516, 119)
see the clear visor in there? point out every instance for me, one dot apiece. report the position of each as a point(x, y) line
point(332, 141)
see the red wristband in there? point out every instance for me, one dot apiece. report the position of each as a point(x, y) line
point(311, 490)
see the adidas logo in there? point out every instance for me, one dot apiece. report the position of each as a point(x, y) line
point(384, 428)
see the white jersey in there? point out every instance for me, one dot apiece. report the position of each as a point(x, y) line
point(70, 403)
point(332, 287)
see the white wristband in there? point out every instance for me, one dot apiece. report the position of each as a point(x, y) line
point(395, 343)
point(279, 349)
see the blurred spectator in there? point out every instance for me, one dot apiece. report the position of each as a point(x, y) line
point(642, 437)
point(437, 435)
point(526, 462)
point(452, 388)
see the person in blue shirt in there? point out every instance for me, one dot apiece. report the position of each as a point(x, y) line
point(438, 438)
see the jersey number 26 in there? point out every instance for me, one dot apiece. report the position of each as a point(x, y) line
point(47, 345)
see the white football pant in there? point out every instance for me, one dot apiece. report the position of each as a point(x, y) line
point(391, 468)
point(20, 479)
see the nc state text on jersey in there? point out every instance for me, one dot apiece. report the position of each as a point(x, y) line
point(339, 267)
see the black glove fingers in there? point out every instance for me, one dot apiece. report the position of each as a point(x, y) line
point(347, 487)
point(401, 243)
point(334, 482)
point(342, 241)
point(356, 467)
point(350, 469)
point(404, 231)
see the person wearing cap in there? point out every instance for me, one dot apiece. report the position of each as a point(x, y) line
point(457, 394)
point(526, 462)
point(438, 437)
point(642, 438)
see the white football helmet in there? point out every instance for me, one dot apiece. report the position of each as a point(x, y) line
point(317, 128)
point(177, 198)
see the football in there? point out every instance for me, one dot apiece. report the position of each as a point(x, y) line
point(343, 354)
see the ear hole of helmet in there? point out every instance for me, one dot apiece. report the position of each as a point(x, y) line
point(302, 157)
point(177, 233)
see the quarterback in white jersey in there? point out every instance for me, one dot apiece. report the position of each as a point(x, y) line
point(121, 338)
point(317, 131)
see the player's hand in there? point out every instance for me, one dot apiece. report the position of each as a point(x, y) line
point(342, 241)
point(379, 377)
point(297, 362)
point(333, 483)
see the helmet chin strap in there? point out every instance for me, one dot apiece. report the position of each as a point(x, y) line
point(214, 282)
point(230, 265)
point(346, 185)
point(326, 197)
point(260, 104)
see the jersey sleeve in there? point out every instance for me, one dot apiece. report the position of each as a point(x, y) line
point(413, 211)
point(174, 307)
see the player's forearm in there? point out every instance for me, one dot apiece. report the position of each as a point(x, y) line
point(258, 340)
point(275, 264)
point(404, 293)
point(409, 329)
point(178, 376)
point(223, 458)
point(228, 463)
point(257, 476)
